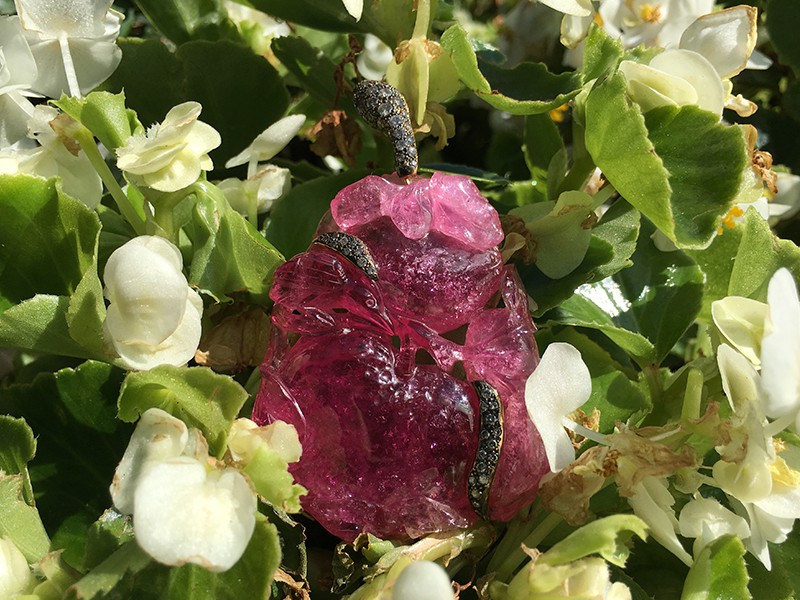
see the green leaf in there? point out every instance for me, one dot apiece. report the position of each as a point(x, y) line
point(528, 88)
point(47, 239)
point(612, 244)
point(20, 522)
point(131, 573)
point(607, 537)
point(309, 65)
point(19, 447)
point(295, 216)
point(390, 20)
point(704, 176)
point(197, 396)
point(782, 581)
point(783, 23)
point(230, 256)
point(644, 309)
point(184, 20)
point(740, 261)
point(269, 473)
point(106, 535)
point(241, 93)
point(718, 572)
point(542, 142)
point(103, 114)
point(79, 443)
point(601, 54)
point(657, 165)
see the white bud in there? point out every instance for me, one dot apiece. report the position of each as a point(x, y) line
point(423, 580)
point(15, 574)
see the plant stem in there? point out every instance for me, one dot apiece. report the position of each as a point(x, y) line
point(508, 564)
point(423, 20)
point(86, 140)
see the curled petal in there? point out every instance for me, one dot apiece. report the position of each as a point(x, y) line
point(726, 38)
point(354, 8)
point(269, 142)
point(696, 70)
point(559, 385)
point(579, 8)
point(741, 322)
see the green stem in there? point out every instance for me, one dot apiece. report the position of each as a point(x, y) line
point(423, 21)
point(87, 143)
point(514, 559)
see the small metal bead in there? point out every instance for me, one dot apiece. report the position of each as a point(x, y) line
point(352, 248)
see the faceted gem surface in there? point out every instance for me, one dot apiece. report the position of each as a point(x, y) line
point(377, 373)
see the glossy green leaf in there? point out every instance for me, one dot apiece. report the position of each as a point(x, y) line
point(295, 217)
point(782, 581)
point(19, 521)
point(79, 443)
point(40, 324)
point(185, 20)
point(528, 88)
point(197, 396)
point(783, 23)
point(646, 308)
point(47, 239)
point(104, 114)
point(719, 571)
point(612, 244)
point(231, 258)
point(241, 93)
point(17, 449)
point(607, 537)
point(542, 142)
point(390, 20)
point(741, 261)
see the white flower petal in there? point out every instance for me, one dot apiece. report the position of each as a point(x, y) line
point(726, 38)
point(741, 322)
point(158, 436)
point(707, 520)
point(579, 8)
point(185, 514)
point(739, 378)
point(17, 66)
point(780, 348)
point(651, 87)
point(269, 142)
point(354, 8)
point(695, 69)
point(574, 29)
point(76, 18)
point(652, 503)
point(559, 384)
point(423, 580)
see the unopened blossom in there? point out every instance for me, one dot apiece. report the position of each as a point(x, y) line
point(587, 578)
point(73, 43)
point(15, 574)
point(559, 385)
point(423, 580)
point(172, 154)
point(373, 60)
point(153, 316)
point(186, 507)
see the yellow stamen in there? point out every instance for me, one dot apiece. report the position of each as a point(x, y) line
point(598, 19)
point(729, 220)
point(650, 13)
point(559, 114)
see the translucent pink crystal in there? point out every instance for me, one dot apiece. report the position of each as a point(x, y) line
point(378, 389)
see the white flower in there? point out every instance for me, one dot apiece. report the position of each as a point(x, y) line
point(173, 154)
point(270, 28)
point(17, 74)
point(15, 574)
point(51, 158)
point(578, 8)
point(707, 520)
point(559, 385)
point(247, 438)
point(740, 322)
point(267, 144)
point(153, 315)
point(354, 8)
point(780, 351)
point(186, 508)
point(73, 43)
point(259, 191)
point(652, 503)
point(375, 58)
point(423, 580)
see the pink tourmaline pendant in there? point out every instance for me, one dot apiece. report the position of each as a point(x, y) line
point(400, 347)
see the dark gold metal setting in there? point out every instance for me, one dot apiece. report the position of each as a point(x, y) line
point(352, 248)
point(490, 441)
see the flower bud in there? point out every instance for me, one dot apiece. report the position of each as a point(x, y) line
point(15, 574)
point(423, 580)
